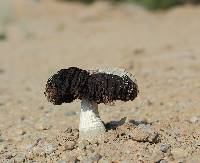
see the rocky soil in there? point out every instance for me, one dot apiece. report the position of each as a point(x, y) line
point(161, 49)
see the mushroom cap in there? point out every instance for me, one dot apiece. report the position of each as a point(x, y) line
point(63, 87)
point(98, 86)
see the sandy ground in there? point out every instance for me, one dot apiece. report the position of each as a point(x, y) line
point(162, 50)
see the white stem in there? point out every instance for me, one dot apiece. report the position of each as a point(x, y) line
point(91, 126)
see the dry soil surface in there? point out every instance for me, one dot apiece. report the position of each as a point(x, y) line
point(161, 49)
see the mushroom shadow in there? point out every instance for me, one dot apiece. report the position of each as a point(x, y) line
point(112, 125)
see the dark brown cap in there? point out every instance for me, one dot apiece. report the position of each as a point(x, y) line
point(101, 87)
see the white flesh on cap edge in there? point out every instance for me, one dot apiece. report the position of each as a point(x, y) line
point(116, 71)
point(91, 127)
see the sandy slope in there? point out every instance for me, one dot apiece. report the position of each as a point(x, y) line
point(161, 49)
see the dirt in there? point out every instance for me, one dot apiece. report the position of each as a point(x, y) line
point(161, 49)
point(138, 141)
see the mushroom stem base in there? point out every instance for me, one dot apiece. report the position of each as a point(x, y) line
point(91, 127)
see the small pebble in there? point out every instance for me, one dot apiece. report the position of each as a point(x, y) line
point(95, 158)
point(164, 147)
point(193, 119)
point(94, 142)
point(82, 144)
point(49, 148)
point(198, 143)
point(29, 147)
point(69, 145)
point(40, 141)
point(163, 161)
point(145, 127)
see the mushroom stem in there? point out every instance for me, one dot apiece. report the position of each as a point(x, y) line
point(91, 127)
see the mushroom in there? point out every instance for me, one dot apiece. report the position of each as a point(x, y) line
point(92, 87)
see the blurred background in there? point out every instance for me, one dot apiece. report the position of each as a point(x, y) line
point(156, 40)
